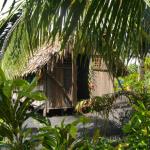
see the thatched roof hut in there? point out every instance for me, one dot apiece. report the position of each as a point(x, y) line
point(65, 80)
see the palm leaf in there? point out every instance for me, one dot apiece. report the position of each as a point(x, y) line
point(104, 27)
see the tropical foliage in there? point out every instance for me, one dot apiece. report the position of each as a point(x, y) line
point(111, 28)
point(132, 81)
point(64, 136)
point(138, 128)
point(16, 97)
point(136, 134)
point(105, 27)
point(97, 104)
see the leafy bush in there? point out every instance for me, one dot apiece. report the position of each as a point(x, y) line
point(133, 68)
point(16, 96)
point(138, 128)
point(61, 137)
point(94, 143)
point(147, 63)
point(131, 82)
point(65, 138)
point(96, 104)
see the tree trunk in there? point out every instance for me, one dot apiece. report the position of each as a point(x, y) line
point(141, 69)
point(74, 79)
point(142, 73)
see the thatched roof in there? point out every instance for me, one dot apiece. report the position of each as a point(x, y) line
point(51, 54)
point(41, 57)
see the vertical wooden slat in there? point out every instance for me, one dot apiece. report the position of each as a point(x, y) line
point(45, 89)
point(74, 80)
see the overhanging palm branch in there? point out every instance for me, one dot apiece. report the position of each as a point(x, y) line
point(145, 32)
point(108, 27)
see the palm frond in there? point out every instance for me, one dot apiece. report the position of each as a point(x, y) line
point(110, 28)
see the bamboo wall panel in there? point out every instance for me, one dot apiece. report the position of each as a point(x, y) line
point(102, 83)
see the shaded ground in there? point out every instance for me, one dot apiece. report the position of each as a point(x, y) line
point(110, 127)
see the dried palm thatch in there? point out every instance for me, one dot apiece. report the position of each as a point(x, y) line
point(51, 54)
point(48, 53)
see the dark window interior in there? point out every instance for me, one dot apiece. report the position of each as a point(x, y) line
point(30, 77)
point(67, 78)
point(82, 77)
point(67, 73)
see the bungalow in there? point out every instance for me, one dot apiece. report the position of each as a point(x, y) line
point(66, 79)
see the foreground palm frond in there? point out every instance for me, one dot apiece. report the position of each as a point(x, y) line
point(110, 28)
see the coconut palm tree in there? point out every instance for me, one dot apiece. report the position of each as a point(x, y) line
point(108, 27)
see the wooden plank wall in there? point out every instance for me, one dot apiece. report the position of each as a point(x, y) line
point(103, 83)
point(56, 98)
point(102, 79)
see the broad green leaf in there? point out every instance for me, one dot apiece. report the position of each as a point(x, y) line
point(38, 96)
point(20, 83)
point(32, 85)
point(8, 89)
point(2, 76)
point(73, 131)
point(96, 135)
point(41, 119)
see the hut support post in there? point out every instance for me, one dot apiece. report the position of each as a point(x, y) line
point(74, 79)
point(45, 89)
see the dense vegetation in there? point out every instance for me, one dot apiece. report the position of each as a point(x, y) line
point(116, 30)
point(18, 95)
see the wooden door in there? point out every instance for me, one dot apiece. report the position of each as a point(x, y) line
point(54, 91)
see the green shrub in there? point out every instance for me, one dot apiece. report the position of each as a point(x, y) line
point(14, 111)
point(61, 137)
point(138, 128)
